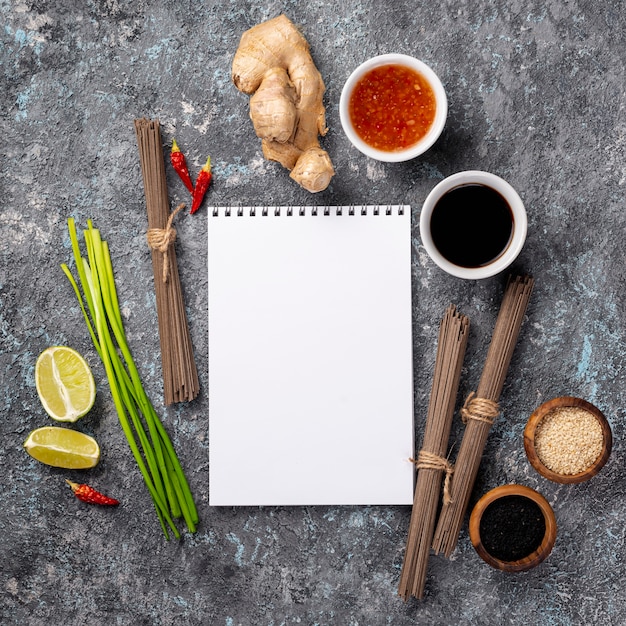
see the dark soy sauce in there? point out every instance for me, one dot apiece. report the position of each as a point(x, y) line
point(471, 225)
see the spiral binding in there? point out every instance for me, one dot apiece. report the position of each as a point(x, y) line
point(312, 211)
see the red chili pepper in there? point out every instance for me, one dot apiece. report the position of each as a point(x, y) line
point(180, 165)
point(89, 494)
point(202, 184)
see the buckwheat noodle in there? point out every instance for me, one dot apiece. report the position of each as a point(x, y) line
point(180, 376)
point(481, 409)
point(431, 464)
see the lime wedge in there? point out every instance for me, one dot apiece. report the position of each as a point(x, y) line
point(62, 447)
point(64, 383)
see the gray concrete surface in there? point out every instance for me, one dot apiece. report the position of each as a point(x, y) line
point(536, 94)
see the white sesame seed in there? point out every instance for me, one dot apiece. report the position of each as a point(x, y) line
point(568, 440)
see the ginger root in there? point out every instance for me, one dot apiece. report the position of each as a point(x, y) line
point(273, 62)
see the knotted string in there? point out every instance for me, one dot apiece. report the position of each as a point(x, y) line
point(428, 460)
point(479, 409)
point(160, 239)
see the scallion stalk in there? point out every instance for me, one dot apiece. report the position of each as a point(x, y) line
point(153, 452)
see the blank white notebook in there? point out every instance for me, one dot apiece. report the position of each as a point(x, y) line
point(310, 356)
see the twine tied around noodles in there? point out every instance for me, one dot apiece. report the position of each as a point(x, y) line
point(428, 460)
point(160, 239)
point(479, 409)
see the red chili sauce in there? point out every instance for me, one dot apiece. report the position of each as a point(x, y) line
point(392, 107)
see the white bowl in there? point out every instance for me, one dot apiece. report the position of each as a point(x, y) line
point(440, 114)
point(520, 223)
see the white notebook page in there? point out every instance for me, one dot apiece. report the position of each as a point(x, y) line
point(310, 356)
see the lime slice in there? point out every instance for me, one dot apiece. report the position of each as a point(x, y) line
point(64, 383)
point(62, 447)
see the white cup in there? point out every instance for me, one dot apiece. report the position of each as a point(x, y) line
point(518, 235)
point(441, 111)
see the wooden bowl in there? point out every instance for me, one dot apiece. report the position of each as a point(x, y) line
point(533, 559)
point(529, 439)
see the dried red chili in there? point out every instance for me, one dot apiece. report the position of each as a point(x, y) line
point(89, 494)
point(179, 164)
point(202, 184)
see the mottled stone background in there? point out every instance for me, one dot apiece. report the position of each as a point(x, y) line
point(536, 94)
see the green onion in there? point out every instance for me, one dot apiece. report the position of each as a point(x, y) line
point(147, 438)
